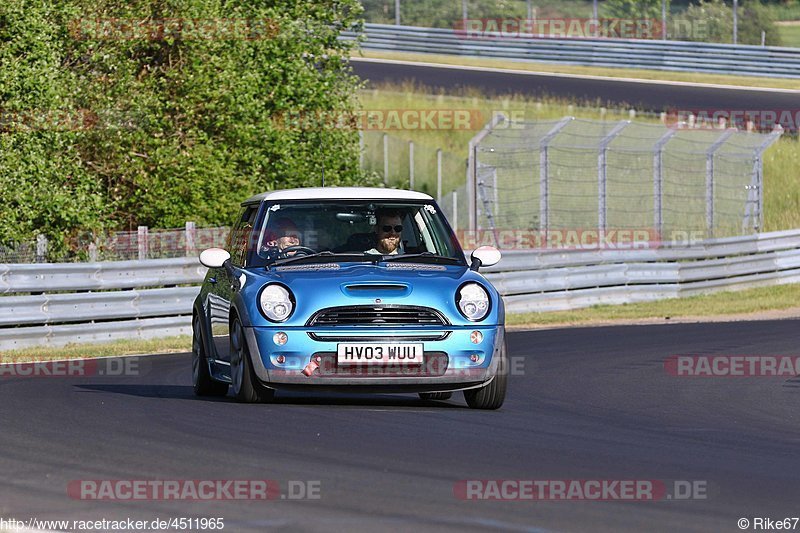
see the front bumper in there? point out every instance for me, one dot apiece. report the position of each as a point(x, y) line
point(448, 365)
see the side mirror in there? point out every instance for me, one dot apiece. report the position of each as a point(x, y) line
point(214, 257)
point(484, 256)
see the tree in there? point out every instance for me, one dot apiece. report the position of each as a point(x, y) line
point(181, 107)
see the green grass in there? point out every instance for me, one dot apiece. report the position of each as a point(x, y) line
point(790, 35)
point(712, 305)
point(76, 351)
point(689, 77)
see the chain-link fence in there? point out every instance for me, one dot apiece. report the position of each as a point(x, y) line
point(574, 174)
point(413, 165)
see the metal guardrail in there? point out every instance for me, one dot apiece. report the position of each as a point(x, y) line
point(747, 60)
point(535, 280)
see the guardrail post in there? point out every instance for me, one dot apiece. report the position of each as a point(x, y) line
point(658, 182)
point(544, 173)
point(190, 232)
point(439, 175)
point(385, 159)
point(141, 240)
point(41, 248)
point(602, 206)
point(710, 180)
point(411, 165)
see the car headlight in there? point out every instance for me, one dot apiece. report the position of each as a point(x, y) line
point(473, 301)
point(277, 303)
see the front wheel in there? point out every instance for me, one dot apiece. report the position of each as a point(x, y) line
point(203, 383)
point(246, 387)
point(491, 396)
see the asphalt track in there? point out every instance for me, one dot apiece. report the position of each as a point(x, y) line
point(647, 96)
point(589, 403)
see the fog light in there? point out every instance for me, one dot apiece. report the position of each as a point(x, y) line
point(476, 337)
point(318, 359)
point(280, 359)
point(280, 338)
point(474, 358)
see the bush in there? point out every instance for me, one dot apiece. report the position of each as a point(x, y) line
point(163, 125)
point(718, 17)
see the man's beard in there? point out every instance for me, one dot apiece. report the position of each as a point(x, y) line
point(389, 243)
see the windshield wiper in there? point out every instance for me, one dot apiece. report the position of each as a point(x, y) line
point(423, 255)
point(321, 255)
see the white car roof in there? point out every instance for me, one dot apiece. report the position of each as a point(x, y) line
point(338, 193)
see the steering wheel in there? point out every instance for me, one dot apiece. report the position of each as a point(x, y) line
point(298, 250)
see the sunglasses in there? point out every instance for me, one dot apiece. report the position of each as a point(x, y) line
point(397, 229)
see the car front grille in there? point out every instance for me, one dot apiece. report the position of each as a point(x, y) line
point(377, 315)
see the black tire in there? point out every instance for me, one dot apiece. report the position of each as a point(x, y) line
point(203, 383)
point(436, 396)
point(491, 396)
point(246, 386)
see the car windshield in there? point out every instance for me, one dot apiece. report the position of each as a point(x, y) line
point(340, 231)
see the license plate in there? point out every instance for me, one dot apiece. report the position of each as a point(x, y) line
point(379, 354)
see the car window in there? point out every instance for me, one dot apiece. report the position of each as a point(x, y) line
point(354, 227)
point(242, 234)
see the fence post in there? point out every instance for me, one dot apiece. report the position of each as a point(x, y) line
point(411, 165)
point(710, 180)
point(92, 252)
point(755, 196)
point(455, 210)
point(385, 159)
point(190, 232)
point(496, 195)
point(361, 149)
point(602, 204)
point(544, 171)
point(489, 214)
point(41, 248)
point(472, 170)
point(439, 175)
point(658, 182)
point(141, 240)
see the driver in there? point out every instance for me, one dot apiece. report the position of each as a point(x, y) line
point(284, 235)
point(388, 229)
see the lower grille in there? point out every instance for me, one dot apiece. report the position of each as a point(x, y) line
point(435, 365)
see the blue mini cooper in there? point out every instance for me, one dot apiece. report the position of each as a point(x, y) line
point(344, 288)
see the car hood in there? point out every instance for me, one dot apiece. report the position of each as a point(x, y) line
point(319, 286)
